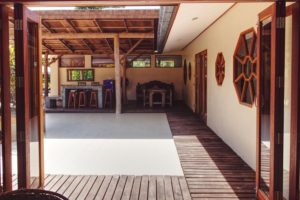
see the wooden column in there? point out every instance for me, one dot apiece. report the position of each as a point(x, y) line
point(5, 98)
point(46, 78)
point(124, 89)
point(117, 75)
point(22, 97)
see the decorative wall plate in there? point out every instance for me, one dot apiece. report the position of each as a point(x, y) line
point(220, 68)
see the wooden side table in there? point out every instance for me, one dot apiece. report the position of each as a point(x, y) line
point(163, 97)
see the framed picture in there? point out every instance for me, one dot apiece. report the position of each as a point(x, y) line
point(72, 61)
point(102, 61)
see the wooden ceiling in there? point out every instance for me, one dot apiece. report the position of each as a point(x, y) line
point(130, 21)
point(97, 21)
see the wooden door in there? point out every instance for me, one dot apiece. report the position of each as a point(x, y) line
point(29, 110)
point(270, 112)
point(5, 113)
point(201, 85)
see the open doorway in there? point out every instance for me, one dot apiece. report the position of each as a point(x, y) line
point(201, 85)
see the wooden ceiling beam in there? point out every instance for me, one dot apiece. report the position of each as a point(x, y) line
point(53, 36)
point(132, 48)
point(101, 31)
point(61, 40)
point(48, 47)
point(87, 44)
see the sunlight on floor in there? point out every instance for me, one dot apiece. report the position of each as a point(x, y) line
point(106, 144)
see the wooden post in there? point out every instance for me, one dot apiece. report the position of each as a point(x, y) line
point(124, 89)
point(117, 75)
point(5, 98)
point(42, 118)
point(46, 78)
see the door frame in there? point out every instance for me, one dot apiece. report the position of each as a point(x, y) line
point(5, 99)
point(201, 83)
point(294, 10)
point(22, 16)
point(277, 13)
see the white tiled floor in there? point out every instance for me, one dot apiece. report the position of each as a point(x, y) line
point(106, 144)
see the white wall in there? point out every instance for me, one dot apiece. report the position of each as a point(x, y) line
point(233, 122)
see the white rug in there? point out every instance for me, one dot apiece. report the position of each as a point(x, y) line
point(108, 144)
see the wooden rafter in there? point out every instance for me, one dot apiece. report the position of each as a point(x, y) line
point(87, 44)
point(127, 30)
point(96, 35)
point(61, 40)
point(132, 48)
point(101, 31)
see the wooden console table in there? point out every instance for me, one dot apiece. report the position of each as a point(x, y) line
point(163, 97)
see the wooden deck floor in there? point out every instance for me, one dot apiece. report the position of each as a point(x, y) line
point(211, 168)
point(119, 187)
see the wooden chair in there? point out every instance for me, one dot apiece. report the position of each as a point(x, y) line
point(31, 194)
point(72, 98)
point(108, 98)
point(82, 99)
point(94, 99)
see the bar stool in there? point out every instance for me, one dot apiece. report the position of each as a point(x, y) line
point(82, 99)
point(108, 94)
point(72, 98)
point(94, 99)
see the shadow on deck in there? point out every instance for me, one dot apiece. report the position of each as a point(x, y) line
point(212, 169)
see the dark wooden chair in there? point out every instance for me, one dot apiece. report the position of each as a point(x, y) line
point(31, 194)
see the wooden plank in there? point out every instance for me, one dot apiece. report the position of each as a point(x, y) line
point(144, 187)
point(160, 188)
point(136, 188)
point(66, 184)
point(79, 187)
point(152, 188)
point(54, 36)
point(104, 187)
point(128, 187)
point(120, 188)
point(176, 188)
point(54, 180)
point(168, 188)
point(87, 188)
point(111, 189)
point(73, 186)
point(59, 183)
point(95, 188)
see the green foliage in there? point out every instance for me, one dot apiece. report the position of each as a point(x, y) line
point(12, 74)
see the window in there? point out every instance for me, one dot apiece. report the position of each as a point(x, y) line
point(80, 75)
point(101, 61)
point(165, 61)
point(138, 61)
point(244, 67)
point(72, 61)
